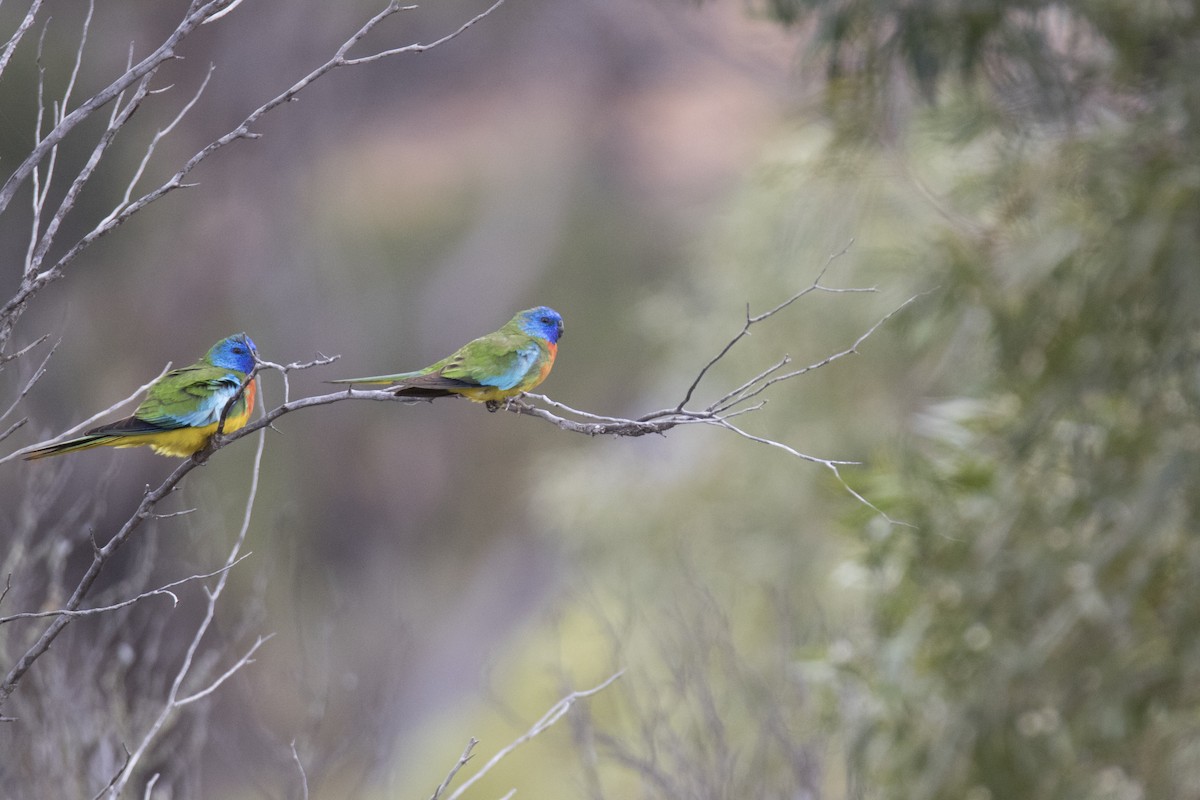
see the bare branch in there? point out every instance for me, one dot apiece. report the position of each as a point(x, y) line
point(37, 374)
point(553, 715)
point(242, 130)
point(22, 29)
point(463, 759)
point(69, 432)
point(745, 392)
point(173, 701)
point(120, 116)
point(37, 197)
point(11, 429)
point(715, 414)
point(4, 359)
point(296, 755)
point(149, 64)
point(417, 48)
point(140, 74)
point(83, 37)
point(159, 135)
point(165, 589)
point(234, 4)
point(721, 422)
point(124, 764)
point(745, 331)
point(248, 658)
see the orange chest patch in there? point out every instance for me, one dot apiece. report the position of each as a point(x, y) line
point(237, 418)
point(251, 394)
point(551, 348)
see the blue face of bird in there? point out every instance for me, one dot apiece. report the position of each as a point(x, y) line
point(236, 352)
point(542, 322)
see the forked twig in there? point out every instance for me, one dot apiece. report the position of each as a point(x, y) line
point(553, 715)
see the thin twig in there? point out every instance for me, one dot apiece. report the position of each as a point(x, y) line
point(173, 701)
point(463, 759)
point(296, 756)
point(150, 63)
point(159, 135)
point(739, 396)
point(69, 432)
point(36, 277)
point(116, 775)
point(416, 48)
point(35, 377)
point(750, 321)
point(11, 429)
point(15, 39)
point(248, 658)
point(165, 589)
point(120, 116)
point(553, 715)
point(5, 358)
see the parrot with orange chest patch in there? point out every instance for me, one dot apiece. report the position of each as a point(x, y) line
point(490, 369)
point(182, 409)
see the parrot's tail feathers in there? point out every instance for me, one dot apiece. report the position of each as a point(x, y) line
point(389, 379)
point(70, 446)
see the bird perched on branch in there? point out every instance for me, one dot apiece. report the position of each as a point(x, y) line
point(183, 408)
point(489, 369)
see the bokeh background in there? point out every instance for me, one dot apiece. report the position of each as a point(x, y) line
point(1027, 628)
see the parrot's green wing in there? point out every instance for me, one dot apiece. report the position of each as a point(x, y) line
point(499, 359)
point(190, 397)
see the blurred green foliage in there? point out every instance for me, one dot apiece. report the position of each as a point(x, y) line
point(1035, 634)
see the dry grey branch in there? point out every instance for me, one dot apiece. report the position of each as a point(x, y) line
point(814, 286)
point(165, 51)
point(5, 358)
point(69, 432)
point(242, 130)
point(173, 701)
point(463, 759)
point(11, 45)
point(124, 764)
point(165, 589)
point(716, 413)
point(34, 378)
point(248, 658)
point(553, 715)
point(412, 48)
point(25, 389)
point(299, 764)
point(139, 75)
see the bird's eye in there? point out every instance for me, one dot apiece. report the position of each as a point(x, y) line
point(546, 320)
point(239, 350)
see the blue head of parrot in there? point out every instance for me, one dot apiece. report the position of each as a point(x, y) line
point(236, 353)
point(541, 322)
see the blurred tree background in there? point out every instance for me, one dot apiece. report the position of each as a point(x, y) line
point(648, 167)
